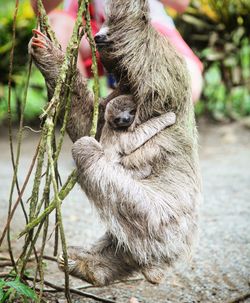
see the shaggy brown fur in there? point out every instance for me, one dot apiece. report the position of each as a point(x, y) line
point(151, 222)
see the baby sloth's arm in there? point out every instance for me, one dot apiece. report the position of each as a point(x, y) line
point(130, 141)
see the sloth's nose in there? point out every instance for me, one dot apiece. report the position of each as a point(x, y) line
point(125, 120)
point(100, 38)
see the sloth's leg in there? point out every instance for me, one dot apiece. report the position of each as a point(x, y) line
point(101, 265)
point(49, 59)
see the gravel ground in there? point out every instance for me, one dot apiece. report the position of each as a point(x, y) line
point(220, 269)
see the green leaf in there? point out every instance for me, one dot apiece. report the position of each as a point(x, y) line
point(238, 34)
point(6, 47)
point(199, 108)
point(6, 296)
point(245, 59)
point(220, 95)
point(213, 75)
point(212, 54)
point(22, 289)
point(196, 22)
point(230, 61)
point(2, 284)
point(1, 294)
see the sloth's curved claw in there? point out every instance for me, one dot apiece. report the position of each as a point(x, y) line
point(37, 32)
point(39, 43)
point(61, 262)
point(153, 274)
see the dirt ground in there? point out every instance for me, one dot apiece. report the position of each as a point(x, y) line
point(220, 270)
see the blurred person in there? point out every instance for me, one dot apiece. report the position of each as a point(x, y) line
point(62, 21)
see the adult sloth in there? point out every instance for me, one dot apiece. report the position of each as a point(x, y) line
point(151, 222)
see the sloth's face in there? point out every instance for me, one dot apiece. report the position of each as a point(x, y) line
point(105, 47)
point(101, 38)
point(120, 114)
point(121, 120)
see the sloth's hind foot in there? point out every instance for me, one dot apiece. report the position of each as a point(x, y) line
point(85, 266)
point(153, 274)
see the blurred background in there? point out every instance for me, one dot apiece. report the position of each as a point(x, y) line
point(217, 31)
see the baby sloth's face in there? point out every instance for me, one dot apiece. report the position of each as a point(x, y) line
point(120, 113)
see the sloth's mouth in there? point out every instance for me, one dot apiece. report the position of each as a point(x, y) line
point(103, 44)
point(120, 127)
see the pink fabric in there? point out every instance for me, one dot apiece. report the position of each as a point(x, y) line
point(177, 41)
point(72, 9)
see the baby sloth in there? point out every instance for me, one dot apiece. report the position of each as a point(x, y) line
point(122, 135)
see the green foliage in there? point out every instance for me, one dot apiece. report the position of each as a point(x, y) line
point(11, 291)
point(24, 25)
point(227, 80)
point(220, 101)
point(36, 94)
point(36, 98)
point(219, 32)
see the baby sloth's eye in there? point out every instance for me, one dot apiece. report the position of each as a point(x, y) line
point(132, 112)
point(116, 120)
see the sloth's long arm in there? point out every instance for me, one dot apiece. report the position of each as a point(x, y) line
point(130, 141)
point(49, 59)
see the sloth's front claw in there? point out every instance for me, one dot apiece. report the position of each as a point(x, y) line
point(38, 43)
point(37, 32)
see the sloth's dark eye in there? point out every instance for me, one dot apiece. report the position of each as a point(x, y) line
point(132, 112)
point(116, 120)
